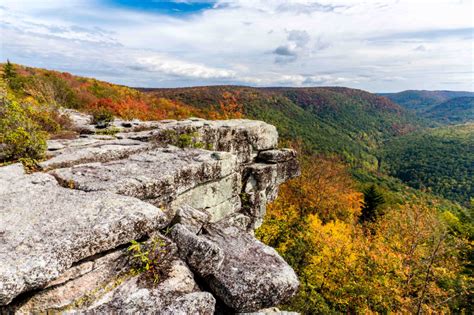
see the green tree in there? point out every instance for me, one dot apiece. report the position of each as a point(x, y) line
point(11, 77)
point(373, 199)
point(9, 71)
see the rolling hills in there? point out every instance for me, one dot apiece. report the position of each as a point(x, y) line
point(422, 100)
point(360, 127)
point(444, 107)
point(454, 111)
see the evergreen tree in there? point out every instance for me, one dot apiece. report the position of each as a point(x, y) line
point(11, 77)
point(9, 71)
point(373, 199)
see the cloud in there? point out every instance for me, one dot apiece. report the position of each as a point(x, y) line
point(297, 41)
point(426, 35)
point(257, 42)
point(420, 48)
point(180, 68)
point(300, 38)
point(285, 51)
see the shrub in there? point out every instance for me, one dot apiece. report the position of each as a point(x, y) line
point(102, 118)
point(108, 131)
point(145, 257)
point(20, 135)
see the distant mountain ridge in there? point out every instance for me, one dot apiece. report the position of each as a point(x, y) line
point(446, 107)
point(454, 111)
point(421, 100)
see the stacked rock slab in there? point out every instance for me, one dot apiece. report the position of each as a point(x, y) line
point(65, 231)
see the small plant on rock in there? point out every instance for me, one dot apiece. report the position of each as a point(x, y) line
point(189, 140)
point(147, 256)
point(102, 118)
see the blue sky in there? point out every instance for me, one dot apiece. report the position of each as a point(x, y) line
point(173, 8)
point(376, 45)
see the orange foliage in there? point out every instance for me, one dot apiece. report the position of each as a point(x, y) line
point(325, 188)
point(229, 108)
point(90, 95)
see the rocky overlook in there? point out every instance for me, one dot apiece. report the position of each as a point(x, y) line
point(149, 217)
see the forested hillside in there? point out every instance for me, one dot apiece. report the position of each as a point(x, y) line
point(454, 111)
point(347, 122)
point(421, 101)
point(440, 160)
point(360, 240)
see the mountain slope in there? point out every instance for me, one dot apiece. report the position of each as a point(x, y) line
point(348, 122)
point(454, 111)
point(422, 100)
point(439, 159)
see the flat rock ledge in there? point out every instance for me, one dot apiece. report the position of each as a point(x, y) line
point(196, 188)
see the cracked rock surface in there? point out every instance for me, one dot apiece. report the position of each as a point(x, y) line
point(201, 187)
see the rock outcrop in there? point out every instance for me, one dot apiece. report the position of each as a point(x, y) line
point(147, 217)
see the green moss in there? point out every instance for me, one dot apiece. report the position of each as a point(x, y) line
point(108, 132)
point(187, 139)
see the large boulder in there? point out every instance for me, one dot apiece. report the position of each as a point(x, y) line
point(45, 228)
point(177, 293)
point(157, 176)
point(244, 273)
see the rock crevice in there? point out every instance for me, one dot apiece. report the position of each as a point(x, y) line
point(65, 231)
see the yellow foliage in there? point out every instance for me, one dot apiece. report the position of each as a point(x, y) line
point(408, 261)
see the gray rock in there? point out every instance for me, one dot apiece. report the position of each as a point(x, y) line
point(252, 276)
point(98, 151)
point(45, 228)
point(192, 303)
point(201, 254)
point(270, 311)
point(66, 235)
point(260, 186)
point(157, 176)
point(191, 218)
point(217, 198)
point(239, 136)
point(75, 284)
point(80, 121)
point(176, 294)
point(243, 272)
point(276, 156)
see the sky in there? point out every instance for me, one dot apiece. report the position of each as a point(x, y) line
point(379, 46)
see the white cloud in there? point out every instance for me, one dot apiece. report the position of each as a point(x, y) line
point(414, 43)
point(169, 66)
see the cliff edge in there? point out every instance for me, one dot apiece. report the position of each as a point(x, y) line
point(148, 217)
